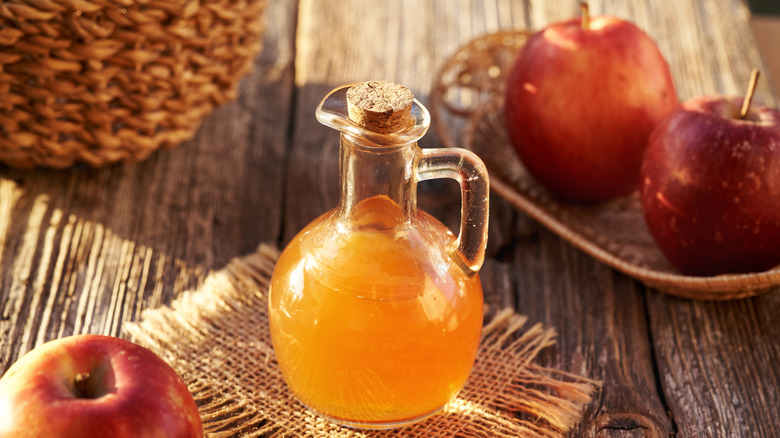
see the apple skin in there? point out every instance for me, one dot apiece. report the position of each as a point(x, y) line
point(711, 187)
point(134, 393)
point(580, 106)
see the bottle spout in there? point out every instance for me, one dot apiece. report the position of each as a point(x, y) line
point(379, 113)
point(380, 106)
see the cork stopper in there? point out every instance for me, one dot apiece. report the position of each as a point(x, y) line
point(380, 106)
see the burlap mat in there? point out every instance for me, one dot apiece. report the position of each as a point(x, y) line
point(217, 338)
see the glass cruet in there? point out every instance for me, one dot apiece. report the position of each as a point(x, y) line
point(376, 307)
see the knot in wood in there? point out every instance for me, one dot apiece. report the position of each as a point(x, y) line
point(380, 106)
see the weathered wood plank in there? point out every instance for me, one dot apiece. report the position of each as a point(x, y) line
point(715, 360)
point(718, 364)
point(600, 317)
point(83, 250)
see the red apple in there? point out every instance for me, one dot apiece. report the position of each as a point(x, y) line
point(711, 187)
point(581, 101)
point(90, 385)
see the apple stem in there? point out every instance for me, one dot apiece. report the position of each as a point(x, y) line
point(750, 92)
point(585, 15)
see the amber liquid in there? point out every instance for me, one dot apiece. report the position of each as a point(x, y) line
point(368, 328)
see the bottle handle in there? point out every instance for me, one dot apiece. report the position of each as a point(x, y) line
point(469, 171)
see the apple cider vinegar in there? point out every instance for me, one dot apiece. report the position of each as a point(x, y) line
point(368, 333)
point(375, 308)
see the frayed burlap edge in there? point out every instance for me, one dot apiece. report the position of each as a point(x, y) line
point(217, 339)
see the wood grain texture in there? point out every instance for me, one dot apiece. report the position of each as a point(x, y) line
point(84, 250)
point(718, 364)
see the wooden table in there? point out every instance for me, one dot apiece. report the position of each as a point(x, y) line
point(84, 250)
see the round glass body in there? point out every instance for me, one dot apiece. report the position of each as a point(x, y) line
point(374, 327)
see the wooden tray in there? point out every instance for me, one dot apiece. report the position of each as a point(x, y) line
point(467, 104)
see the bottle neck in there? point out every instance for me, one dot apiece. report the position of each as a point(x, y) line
point(378, 184)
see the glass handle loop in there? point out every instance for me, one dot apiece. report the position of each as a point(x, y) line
point(469, 171)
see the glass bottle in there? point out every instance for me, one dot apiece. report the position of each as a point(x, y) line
point(376, 307)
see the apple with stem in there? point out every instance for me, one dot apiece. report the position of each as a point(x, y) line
point(711, 185)
point(90, 385)
point(581, 100)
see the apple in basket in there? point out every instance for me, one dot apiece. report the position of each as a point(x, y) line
point(581, 100)
point(89, 386)
point(711, 186)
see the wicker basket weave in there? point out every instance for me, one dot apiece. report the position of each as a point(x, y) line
point(105, 81)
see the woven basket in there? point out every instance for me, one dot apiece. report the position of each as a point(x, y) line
point(105, 81)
